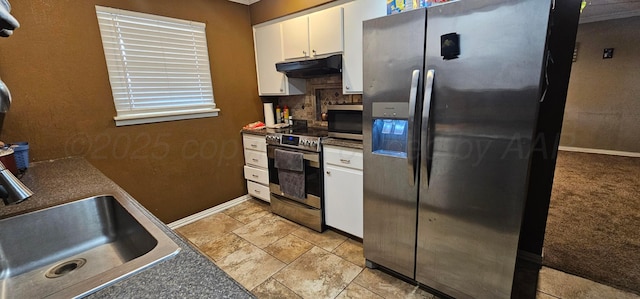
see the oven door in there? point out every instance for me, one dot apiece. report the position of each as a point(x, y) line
point(313, 177)
point(305, 211)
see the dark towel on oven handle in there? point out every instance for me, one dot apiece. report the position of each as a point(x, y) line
point(291, 172)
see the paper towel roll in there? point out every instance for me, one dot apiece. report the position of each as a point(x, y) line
point(269, 119)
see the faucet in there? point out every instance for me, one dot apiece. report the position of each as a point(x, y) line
point(12, 190)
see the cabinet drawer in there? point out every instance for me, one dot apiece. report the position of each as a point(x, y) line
point(259, 191)
point(256, 158)
point(256, 174)
point(342, 156)
point(256, 143)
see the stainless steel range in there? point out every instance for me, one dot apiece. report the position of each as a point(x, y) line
point(306, 207)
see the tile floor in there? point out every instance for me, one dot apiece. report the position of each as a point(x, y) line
point(276, 258)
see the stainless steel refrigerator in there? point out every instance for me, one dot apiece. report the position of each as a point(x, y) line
point(450, 108)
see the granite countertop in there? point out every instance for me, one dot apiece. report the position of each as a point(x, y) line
point(189, 274)
point(261, 132)
point(357, 144)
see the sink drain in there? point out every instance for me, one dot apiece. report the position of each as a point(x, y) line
point(65, 268)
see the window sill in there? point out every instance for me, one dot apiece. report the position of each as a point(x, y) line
point(156, 117)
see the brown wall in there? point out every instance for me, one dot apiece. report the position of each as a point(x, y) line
point(266, 10)
point(603, 106)
point(55, 68)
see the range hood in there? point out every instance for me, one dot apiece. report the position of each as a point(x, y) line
point(310, 68)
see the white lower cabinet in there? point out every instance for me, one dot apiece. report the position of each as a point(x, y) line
point(343, 189)
point(258, 190)
point(256, 170)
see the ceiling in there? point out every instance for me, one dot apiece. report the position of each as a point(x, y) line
point(600, 10)
point(596, 10)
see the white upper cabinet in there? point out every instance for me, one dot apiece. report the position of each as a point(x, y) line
point(354, 14)
point(316, 34)
point(268, 49)
point(337, 29)
point(295, 38)
point(325, 31)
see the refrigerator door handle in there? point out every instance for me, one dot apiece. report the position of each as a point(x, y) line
point(426, 143)
point(411, 130)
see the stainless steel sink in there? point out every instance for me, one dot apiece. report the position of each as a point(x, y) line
point(74, 249)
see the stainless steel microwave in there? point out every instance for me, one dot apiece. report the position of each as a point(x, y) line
point(345, 121)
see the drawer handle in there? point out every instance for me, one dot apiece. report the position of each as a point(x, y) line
point(255, 175)
point(256, 191)
point(254, 145)
point(345, 161)
point(255, 160)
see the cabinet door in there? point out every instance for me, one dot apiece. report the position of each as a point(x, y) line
point(354, 14)
point(343, 199)
point(325, 31)
point(268, 48)
point(295, 38)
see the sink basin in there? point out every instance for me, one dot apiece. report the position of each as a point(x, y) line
point(74, 249)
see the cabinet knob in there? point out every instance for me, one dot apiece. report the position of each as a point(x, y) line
point(304, 53)
point(328, 172)
point(314, 52)
point(347, 87)
point(281, 90)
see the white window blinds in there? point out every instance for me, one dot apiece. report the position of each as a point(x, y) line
point(158, 67)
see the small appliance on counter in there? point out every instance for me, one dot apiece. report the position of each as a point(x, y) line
point(345, 121)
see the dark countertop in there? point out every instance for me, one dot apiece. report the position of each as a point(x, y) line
point(261, 132)
point(342, 142)
point(322, 131)
point(189, 274)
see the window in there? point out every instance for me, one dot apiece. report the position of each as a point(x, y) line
point(158, 67)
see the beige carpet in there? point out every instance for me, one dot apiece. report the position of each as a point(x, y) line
point(593, 228)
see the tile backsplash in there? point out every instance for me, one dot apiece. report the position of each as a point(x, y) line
point(321, 92)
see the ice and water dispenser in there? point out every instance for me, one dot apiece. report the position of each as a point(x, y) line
point(389, 130)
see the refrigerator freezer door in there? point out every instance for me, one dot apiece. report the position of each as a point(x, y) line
point(393, 50)
point(485, 105)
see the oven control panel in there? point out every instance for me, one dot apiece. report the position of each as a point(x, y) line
point(295, 141)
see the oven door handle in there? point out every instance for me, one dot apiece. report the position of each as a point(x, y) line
point(312, 157)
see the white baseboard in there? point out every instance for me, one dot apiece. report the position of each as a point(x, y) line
point(598, 151)
point(217, 209)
